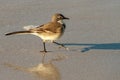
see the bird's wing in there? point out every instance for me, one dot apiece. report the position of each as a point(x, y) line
point(49, 27)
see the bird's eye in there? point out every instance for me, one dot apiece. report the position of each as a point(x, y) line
point(59, 17)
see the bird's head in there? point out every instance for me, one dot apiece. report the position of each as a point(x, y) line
point(58, 17)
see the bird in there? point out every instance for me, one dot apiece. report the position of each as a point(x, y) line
point(50, 31)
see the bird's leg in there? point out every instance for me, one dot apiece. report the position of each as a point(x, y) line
point(44, 48)
point(61, 45)
point(43, 52)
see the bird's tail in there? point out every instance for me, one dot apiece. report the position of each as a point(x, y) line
point(18, 32)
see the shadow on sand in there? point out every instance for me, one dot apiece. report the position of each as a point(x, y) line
point(102, 46)
point(44, 71)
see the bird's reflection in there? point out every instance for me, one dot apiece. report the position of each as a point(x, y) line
point(45, 71)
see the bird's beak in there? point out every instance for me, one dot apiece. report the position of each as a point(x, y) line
point(66, 18)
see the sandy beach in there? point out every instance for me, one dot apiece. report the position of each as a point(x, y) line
point(92, 36)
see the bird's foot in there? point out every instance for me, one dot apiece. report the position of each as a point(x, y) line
point(66, 48)
point(44, 51)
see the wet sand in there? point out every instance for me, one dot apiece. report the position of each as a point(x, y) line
point(92, 35)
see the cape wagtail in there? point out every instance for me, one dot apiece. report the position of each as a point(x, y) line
point(47, 32)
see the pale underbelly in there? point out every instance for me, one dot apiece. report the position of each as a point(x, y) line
point(48, 37)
